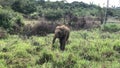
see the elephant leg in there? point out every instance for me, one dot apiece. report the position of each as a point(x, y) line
point(66, 38)
point(53, 40)
point(62, 44)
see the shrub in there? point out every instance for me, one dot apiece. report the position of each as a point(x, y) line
point(35, 16)
point(27, 30)
point(24, 6)
point(53, 14)
point(111, 27)
point(42, 29)
point(38, 29)
point(84, 22)
point(9, 20)
point(80, 23)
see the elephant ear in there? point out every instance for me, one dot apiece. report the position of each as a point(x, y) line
point(57, 33)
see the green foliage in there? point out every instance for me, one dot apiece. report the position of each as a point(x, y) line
point(77, 8)
point(83, 51)
point(3, 33)
point(0, 6)
point(6, 3)
point(68, 62)
point(85, 48)
point(111, 27)
point(45, 58)
point(24, 6)
point(9, 18)
point(40, 11)
point(35, 15)
point(53, 14)
point(110, 12)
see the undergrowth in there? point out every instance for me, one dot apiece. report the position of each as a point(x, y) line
point(86, 49)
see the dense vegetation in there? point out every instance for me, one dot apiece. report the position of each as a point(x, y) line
point(8, 19)
point(51, 11)
point(88, 47)
point(91, 49)
point(38, 8)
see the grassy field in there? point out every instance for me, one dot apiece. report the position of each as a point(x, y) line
point(86, 49)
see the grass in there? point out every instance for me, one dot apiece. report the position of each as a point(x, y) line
point(111, 27)
point(86, 49)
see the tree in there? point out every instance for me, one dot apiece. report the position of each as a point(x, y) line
point(24, 6)
point(106, 14)
point(53, 14)
point(9, 18)
point(6, 2)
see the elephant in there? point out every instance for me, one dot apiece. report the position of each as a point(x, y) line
point(62, 32)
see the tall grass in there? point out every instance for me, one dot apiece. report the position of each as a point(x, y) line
point(86, 49)
point(111, 27)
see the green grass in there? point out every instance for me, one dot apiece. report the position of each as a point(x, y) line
point(111, 27)
point(86, 49)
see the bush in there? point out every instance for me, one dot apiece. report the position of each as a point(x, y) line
point(9, 19)
point(42, 29)
point(24, 6)
point(38, 29)
point(111, 27)
point(34, 16)
point(80, 23)
point(53, 14)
